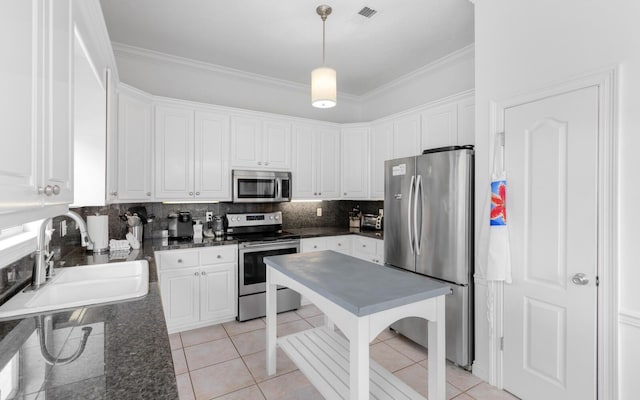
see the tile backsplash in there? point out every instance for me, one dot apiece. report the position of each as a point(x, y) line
point(295, 214)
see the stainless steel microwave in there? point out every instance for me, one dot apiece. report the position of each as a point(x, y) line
point(261, 186)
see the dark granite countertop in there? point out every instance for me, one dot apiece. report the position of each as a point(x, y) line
point(306, 233)
point(127, 354)
point(157, 244)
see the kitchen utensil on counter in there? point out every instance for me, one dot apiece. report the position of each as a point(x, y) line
point(180, 225)
point(98, 230)
point(371, 221)
point(218, 225)
point(197, 229)
point(134, 226)
point(354, 217)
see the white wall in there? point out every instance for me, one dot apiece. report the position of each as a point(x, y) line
point(522, 46)
point(163, 75)
point(449, 75)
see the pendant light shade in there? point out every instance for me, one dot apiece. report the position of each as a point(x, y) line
point(323, 79)
point(323, 87)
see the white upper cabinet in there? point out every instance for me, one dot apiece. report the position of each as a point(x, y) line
point(135, 138)
point(211, 158)
point(406, 136)
point(381, 150)
point(260, 144)
point(316, 162)
point(36, 162)
point(192, 150)
point(355, 163)
point(440, 126)
point(467, 121)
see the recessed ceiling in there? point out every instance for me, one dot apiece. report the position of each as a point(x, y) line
point(283, 38)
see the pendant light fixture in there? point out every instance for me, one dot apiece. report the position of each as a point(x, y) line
point(323, 79)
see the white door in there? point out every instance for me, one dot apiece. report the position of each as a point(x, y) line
point(467, 122)
point(406, 136)
point(381, 150)
point(355, 163)
point(181, 297)
point(276, 151)
point(134, 147)
point(218, 292)
point(328, 165)
point(440, 127)
point(212, 171)
point(246, 142)
point(174, 153)
point(303, 171)
point(550, 326)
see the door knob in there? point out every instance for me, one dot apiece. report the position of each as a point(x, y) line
point(580, 279)
point(56, 190)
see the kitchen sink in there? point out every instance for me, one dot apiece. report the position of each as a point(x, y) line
point(80, 286)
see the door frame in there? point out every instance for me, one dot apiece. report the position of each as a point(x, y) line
point(607, 256)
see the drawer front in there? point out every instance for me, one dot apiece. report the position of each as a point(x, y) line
point(364, 245)
point(339, 243)
point(178, 259)
point(313, 244)
point(218, 255)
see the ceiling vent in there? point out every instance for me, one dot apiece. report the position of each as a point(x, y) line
point(367, 12)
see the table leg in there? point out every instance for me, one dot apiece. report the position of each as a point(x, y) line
point(359, 361)
point(271, 324)
point(329, 323)
point(436, 344)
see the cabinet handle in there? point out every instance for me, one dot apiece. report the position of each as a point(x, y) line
point(315, 194)
point(47, 190)
point(180, 260)
point(56, 190)
point(219, 256)
point(203, 273)
point(364, 245)
point(259, 162)
point(345, 193)
point(196, 273)
point(319, 193)
point(190, 193)
point(339, 244)
point(149, 194)
point(114, 194)
point(197, 193)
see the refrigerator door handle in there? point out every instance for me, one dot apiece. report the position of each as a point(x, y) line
point(415, 214)
point(411, 239)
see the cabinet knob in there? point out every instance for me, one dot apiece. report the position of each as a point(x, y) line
point(196, 273)
point(339, 244)
point(203, 273)
point(190, 193)
point(219, 256)
point(364, 245)
point(47, 190)
point(259, 162)
point(197, 193)
point(315, 194)
point(319, 193)
point(180, 260)
point(56, 190)
point(266, 163)
point(149, 194)
point(114, 194)
point(315, 246)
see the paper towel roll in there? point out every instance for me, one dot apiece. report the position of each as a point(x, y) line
point(98, 229)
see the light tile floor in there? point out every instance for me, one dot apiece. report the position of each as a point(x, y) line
point(227, 362)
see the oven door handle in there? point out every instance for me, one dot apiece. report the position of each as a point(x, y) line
point(277, 243)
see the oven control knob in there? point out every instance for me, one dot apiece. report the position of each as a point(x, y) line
point(277, 217)
point(271, 217)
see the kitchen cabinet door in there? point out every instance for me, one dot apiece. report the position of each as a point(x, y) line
point(313, 244)
point(174, 140)
point(303, 171)
point(440, 127)
point(381, 150)
point(246, 142)
point(211, 157)
point(181, 297)
point(355, 163)
point(368, 249)
point(276, 148)
point(36, 167)
point(341, 244)
point(135, 140)
point(467, 121)
point(406, 136)
point(218, 296)
point(328, 165)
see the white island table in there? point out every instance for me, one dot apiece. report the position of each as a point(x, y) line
point(361, 299)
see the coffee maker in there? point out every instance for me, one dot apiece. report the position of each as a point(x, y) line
point(180, 225)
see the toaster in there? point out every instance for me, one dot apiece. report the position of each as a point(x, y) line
point(181, 225)
point(371, 221)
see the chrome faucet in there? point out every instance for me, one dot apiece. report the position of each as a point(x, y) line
point(42, 265)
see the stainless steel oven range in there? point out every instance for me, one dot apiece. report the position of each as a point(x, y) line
point(260, 235)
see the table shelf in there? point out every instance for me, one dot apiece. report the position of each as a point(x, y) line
point(323, 356)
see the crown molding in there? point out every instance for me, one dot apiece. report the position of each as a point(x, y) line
point(128, 50)
point(467, 51)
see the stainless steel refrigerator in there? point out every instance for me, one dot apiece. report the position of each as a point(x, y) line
point(428, 229)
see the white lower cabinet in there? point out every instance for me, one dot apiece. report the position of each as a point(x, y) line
point(198, 287)
point(368, 249)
